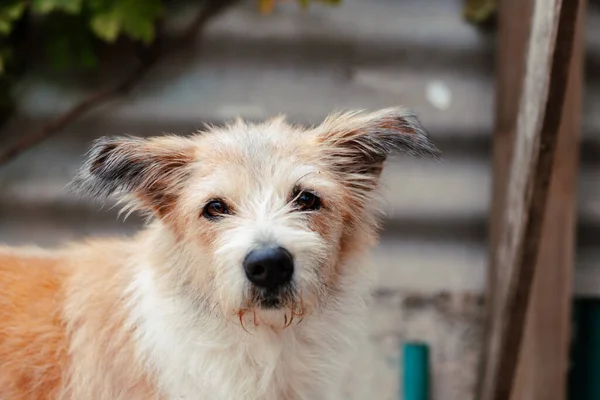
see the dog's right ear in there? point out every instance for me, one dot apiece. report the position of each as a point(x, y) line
point(355, 144)
point(358, 138)
point(150, 169)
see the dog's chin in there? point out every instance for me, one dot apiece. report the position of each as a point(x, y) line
point(273, 299)
point(274, 308)
point(270, 301)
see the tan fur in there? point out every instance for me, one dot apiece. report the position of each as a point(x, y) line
point(61, 332)
point(33, 343)
point(169, 313)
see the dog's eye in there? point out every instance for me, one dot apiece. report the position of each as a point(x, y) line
point(215, 209)
point(307, 201)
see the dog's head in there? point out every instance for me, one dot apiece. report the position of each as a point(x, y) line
point(262, 217)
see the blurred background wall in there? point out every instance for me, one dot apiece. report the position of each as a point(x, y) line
point(432, 258)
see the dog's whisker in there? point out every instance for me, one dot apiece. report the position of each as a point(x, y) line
point(290, 321)
point(301, 307)
point(241, 314)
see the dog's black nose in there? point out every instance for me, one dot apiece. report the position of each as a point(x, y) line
point(269, 267)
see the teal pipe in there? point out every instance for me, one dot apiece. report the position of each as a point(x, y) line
point(415, 371)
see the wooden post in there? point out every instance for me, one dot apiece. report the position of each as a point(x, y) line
point(521, 192)
point(544, 359)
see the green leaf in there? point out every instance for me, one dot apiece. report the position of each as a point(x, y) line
point(13, 10)
point(48, 6)
point(106, 27)
point(9, 13)
point(69, 43)
point(480, 11)
point(135, 18)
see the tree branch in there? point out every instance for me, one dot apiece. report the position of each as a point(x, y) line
point(156, 53)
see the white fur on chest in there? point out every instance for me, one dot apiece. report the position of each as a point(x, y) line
point(197, 356)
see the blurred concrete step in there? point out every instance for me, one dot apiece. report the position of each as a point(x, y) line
point(196, 91)
point(252, 65)
point(363, 22)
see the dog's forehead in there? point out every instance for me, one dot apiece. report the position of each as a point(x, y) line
point(250, 158)
point(255, 147)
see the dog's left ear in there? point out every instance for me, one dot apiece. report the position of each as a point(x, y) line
point(151, 170)
point(358, 142)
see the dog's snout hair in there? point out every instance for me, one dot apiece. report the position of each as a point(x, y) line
point(252, 229)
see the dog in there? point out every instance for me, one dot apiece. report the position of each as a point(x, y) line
point(249, 280)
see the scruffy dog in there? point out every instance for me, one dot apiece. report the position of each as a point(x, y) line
point(248, 282)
